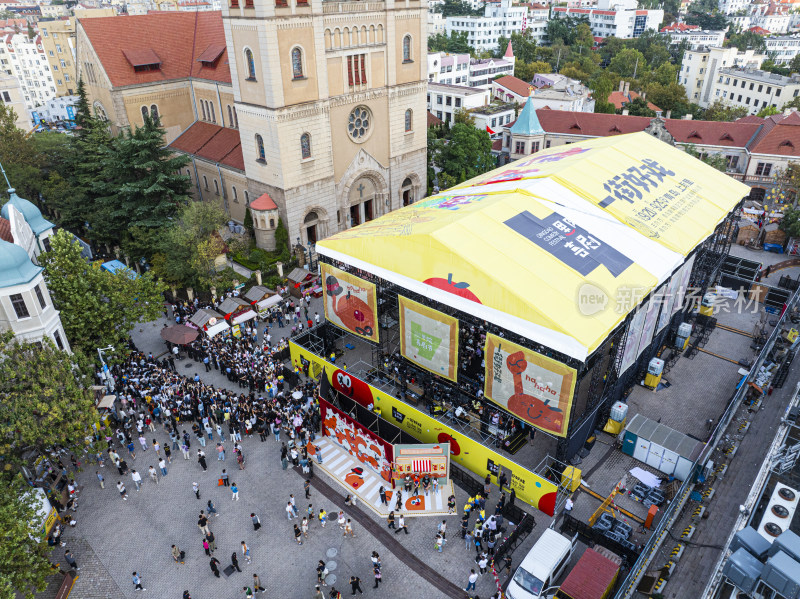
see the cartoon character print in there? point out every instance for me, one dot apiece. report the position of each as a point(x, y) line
point(355, 478)
point(354, 313)
point(514, 174)
point(361, 447)
point(527, 406)
point(415, 503)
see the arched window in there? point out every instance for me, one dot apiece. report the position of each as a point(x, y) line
point(305, 145)
point(154, 112)
point(310, 217)
point(216, 187)
point(100, 112)
point(213, 114)
point(203, 109)
point(205, 182)
point(409, 114)
point(246, 197)
point(145, 114)
point(407, 48)
point(372, 34)
point(235, 195)
point(251, 64)
point(262, 156)
point(297, 63)
point(230, 116)
point(235, 117)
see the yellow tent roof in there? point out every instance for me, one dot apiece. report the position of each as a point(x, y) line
point(535, 245)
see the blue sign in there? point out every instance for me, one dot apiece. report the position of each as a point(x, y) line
point(71, 113)
point(36, 118)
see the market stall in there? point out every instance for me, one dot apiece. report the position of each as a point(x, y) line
point(210, 321)
point(266, 305)
point(303, 282)
point(259, 293)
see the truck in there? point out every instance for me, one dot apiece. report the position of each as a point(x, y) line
point(593, 577)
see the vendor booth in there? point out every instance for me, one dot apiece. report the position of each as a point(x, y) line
point(537, 291)
point(236, 310)
point(259, 293)
point(265, 306)
point(303, 282)
point(210, 321)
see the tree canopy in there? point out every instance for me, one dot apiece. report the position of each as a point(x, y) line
point(464, 152)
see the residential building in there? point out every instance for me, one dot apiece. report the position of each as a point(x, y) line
point(700, 69)
point(482, 71)
point(54, 11)
point(511, 89)
point(11, 95)
point(451, 69)
point(58, 39)
point(29, 64)
point(492, 117)
point(564, 94)
point(436, 23)
point(614, 18)
point(499, 19)
point(26, 307)
point(755, 89)
point(695, 38)
point(330, 98)
point(61, 108)
point(783, 47)
point(444, 100)
point(730, 7)
point(624, 96)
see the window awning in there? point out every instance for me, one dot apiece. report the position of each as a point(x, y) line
point(217, 328)
point(244, 317)
point(265, 304)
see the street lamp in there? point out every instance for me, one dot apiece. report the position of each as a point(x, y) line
point(107, 376)
point(307, 251)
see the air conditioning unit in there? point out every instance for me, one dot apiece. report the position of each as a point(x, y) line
point(779, 513)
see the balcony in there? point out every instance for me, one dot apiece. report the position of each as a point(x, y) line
point(334, 7)
point(753, 179)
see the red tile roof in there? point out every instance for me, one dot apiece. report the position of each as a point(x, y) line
point(264, 202)
point(5, 230)
point(759, 30)
point(213, 143)
point(782, 139)
point(178, 39)
point(497, 145)
point(713, 133)
point(433, 120)
point(679, 27)
point(618, 99)
point(515, 85)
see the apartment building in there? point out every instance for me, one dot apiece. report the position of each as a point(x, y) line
point(482, 71)
point(615, 18)
point(700, 69)
point(462, 69)
point(783, 47)
point(755, 89)
point(11, 95)
point(696, 38)
point(28, 63)
point(484, 32)
point(444, 100)
point(58, 39)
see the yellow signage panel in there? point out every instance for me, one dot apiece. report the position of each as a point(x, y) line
point(528, 486)
point(533, 387)
point(350, 302)
point(428, 338)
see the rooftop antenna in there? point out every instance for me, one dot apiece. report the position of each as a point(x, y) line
point(10, 188)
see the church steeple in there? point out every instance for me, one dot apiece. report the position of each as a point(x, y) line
point(509, 52)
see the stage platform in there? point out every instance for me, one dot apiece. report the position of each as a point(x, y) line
point(356, 478)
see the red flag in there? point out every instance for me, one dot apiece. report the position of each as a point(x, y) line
point(489, 131)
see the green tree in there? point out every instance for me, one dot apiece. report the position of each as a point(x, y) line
point(526, 71)
point(24, 554)
point(467, 153)
point(628, 63)
point(611, 47)
point(671, 96)
point(716, 160)
point(637, 107)
point(721, 111)
point(18, 156)
point(456, 43)
point(141, 184)
point(790, 223)
point(793, 103)
point(462, 115)
point(768, 111)
point(564, 29)
point(46, 400)
point(523, 44)
point(584, 40)
point(457, 8)
point(98, 308)
point(747, 39)
point(282, 241)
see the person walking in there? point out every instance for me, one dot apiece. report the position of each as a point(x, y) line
point(438, 542)
point(307, 488)
point(377, 572)
point(177, 554)
point(322, 572)
point(220, 452)
point(298, 535)
point(348, 529)
point(202, 524)
point(137, 582)
point(304, 527)
point(234, 492)
point(168, 453)
point(246, 552)
point(318, 594)
point(382, 493)
point(201, 459)
point(256, 521)
point(391, 522)
point(214, 563)
point(355, 585)
point(211, 508)
point(235, 562)
point(401, 525)
point(248, 592)
point(483, 562)
point(163, 466)
point(289, 511)
point(137, 479)
point(294, 506)
point(157, 448)
point(257, 587)
point(153, 475)
point(473, 578)
point(101, 480)
point(224, 477)
point(207, 547)
point(196, 489)
point(71, 560)
point(122, 492)
point(323, 517)
point(212, 542)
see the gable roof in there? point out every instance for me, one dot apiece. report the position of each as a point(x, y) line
point(783, 139)
point(619, 99)
point(211, 142)
point(175, 40)
point(264, 202)
point(433, 120)
point(515, 85)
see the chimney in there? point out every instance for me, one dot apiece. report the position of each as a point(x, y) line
point(621, 86)
point(687, 117)
point(668, 115)
point(644, 95)
point(624, 112)
point(627, 89)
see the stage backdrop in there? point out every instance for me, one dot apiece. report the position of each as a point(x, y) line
point(531, 386)
point(468, 453)
point(350, 302)
point(360, 442)
point(422, 458)
point(428, 338)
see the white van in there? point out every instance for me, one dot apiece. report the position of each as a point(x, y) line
point(544, 564)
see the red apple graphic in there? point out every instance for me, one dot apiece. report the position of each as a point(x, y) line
point(445, 438)
point(459, 289)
